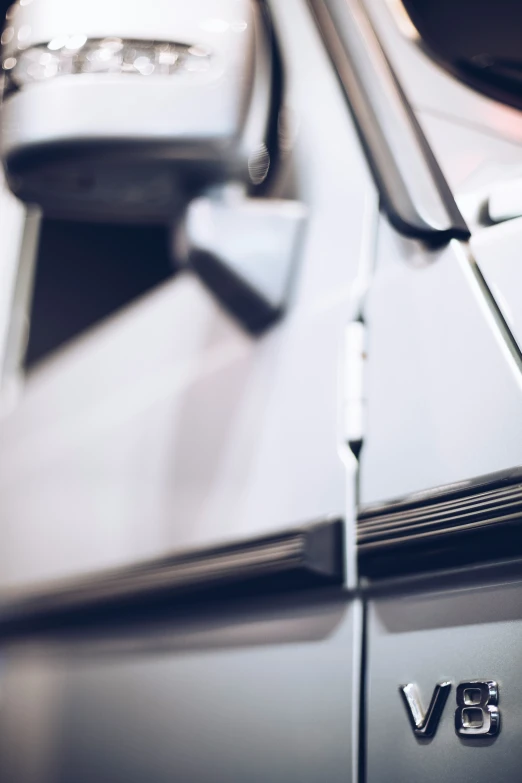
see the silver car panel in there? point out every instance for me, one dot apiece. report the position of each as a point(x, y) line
point(433, 348)
point(497, 252)
point(458, 635)
point(258, 692)
point(167, 427)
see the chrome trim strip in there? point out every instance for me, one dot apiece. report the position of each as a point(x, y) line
point(465, 523)
point(70, 55)
point(307, 556)
point(414, 192)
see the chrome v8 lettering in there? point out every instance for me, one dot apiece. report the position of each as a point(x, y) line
point(477, 714)
point(425, 724)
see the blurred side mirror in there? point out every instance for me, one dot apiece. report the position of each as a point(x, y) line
point(118, 110)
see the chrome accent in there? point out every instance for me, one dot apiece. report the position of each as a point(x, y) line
point(77, 54)
point(310, 555)
point(425, 724)
point(354, 385)
point(415, 194)
point(466, 522)
point(477, 713)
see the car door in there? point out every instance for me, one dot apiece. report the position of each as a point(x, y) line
point(178, 505)
point(438, 526)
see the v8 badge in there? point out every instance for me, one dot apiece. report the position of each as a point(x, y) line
point(477, 714)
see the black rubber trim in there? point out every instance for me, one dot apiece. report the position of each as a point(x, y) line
point(277, 93)
point(471, 522)
point(307, 556)
point(413, 190)
point(363, 700)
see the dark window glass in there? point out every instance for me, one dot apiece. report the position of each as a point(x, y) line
point(480, 41)
point(85, 272)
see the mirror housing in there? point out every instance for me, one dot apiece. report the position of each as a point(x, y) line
point(112, 113)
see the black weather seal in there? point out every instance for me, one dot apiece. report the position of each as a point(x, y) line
point(458, 525)
point(413, 190)
point(308, 556)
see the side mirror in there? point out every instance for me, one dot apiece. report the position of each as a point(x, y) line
point(116, 111)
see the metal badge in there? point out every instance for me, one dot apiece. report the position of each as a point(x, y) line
point(477, 713)
point(424, 724)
